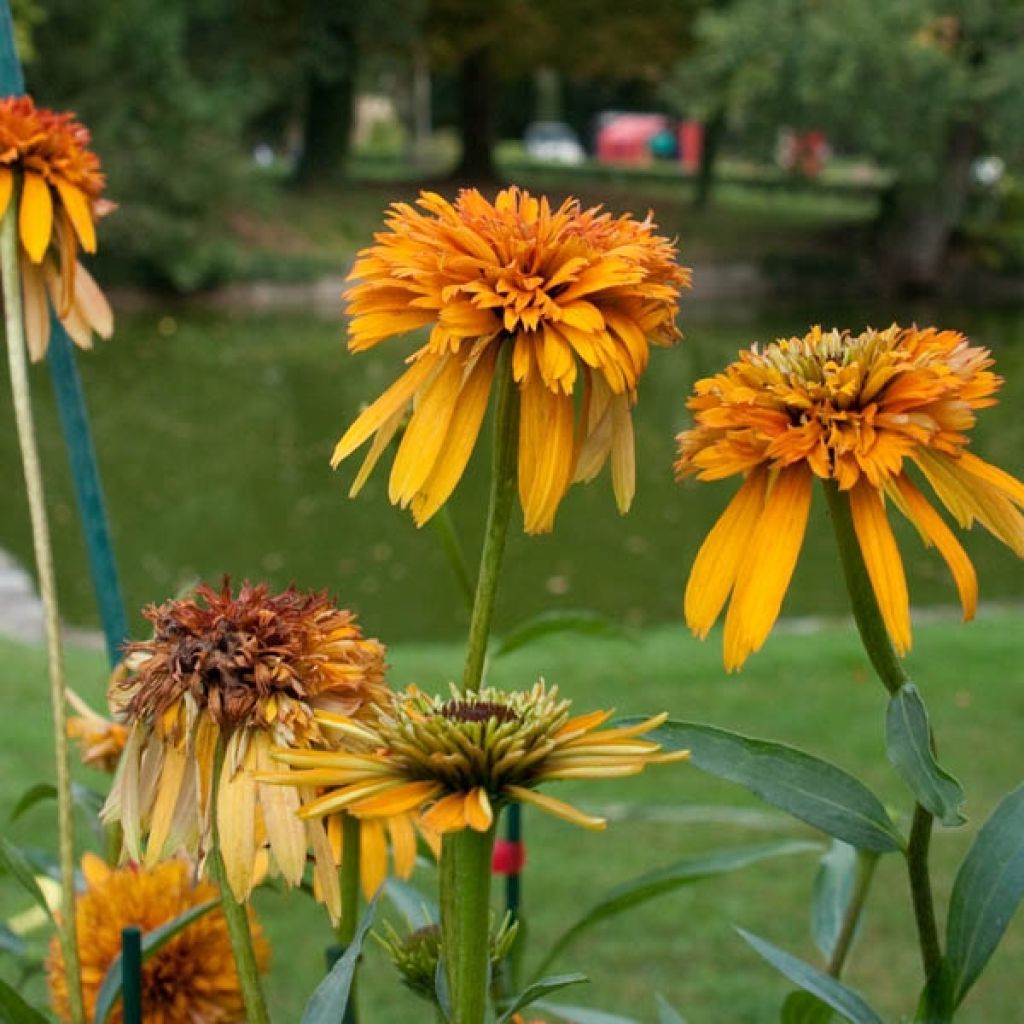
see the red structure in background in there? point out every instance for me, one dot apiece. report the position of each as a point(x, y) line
point(803, 153)
point(638, 138)
point(691, 144)
point(626, 138)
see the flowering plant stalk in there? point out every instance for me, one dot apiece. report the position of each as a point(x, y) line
point(16, 351)
point(531, 301)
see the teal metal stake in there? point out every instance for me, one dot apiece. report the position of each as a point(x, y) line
point(75, 420)
point(131, 974)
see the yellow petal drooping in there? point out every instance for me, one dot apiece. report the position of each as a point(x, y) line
point(35, 216)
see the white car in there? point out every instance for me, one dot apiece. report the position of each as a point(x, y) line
point(553, 142)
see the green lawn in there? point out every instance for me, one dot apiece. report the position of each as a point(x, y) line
point(811, 689)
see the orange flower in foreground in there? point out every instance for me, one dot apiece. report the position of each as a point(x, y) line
point(244, 673)
point(46, 160)
point(191, 980)
point(859, 411)
point(578, 294)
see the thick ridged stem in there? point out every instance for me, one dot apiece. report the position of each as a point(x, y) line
point(887, 664)
point(18, 364)
point(235, 914)
point(499, 510)
point(350, 854)
point(867, 861)
point(465, 921)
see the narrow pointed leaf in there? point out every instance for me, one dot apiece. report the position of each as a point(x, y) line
point(657, 883)
point(666, 1013)
point(986, 892)
point(32, 796)
point(13, 861)
point(833, 890)
point(847, 1003)
point(539, 989)
point(583, 1014)
point(417, 910)
point(805, 786)
point(328, 1002)
point(908, 742)
point(14, 1009)
point(581, 622)
point(803, 1008)
point(152, 942)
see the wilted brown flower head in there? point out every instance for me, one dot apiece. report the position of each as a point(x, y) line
point(241, 673)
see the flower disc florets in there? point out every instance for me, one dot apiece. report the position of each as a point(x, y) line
point(458, 758)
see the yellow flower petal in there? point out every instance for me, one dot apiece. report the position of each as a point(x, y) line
point(79, 213)
point(35, 216)
point(936, 532)
point(6, 187)
point(425, 434)
point(373, 858)
point(403, 844)
point(558, 808)
point(236, 822)
point(463, 430)
point(397, 397)
point(766, 567)
point(447, 815)
point(280, 806)
point(479, 815)
point(718, 560)
point(883, 562)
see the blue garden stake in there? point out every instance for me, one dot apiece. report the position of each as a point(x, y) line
point(131, 974)
point(74, 420)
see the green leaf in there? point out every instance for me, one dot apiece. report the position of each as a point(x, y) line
point(152, 942)
point(328, 1002)
point(909, 745)
point(417, 910)
point(15, 1010)
point(833, 890)
point(581, 622)
point(656, 883)
point(988, 887)
point(807, 787)
point(803, 1008)
point(936, 1003)
point(583, 1014)
point(666, 1013)
point(539, 989)
point(13, 861)
point(32, 796)
point(847, 1003)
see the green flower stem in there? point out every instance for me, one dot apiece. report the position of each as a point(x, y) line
point(880, 651)
point(350, 853)
point(17, 362)
point(499, 510)
point(867, 861)
point(465, 921)
point(235, 914)
point(449, 539)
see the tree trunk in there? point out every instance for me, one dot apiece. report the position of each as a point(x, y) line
point(332, 63)
point(714, 127)
point(476, 123)
point(917, 223)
